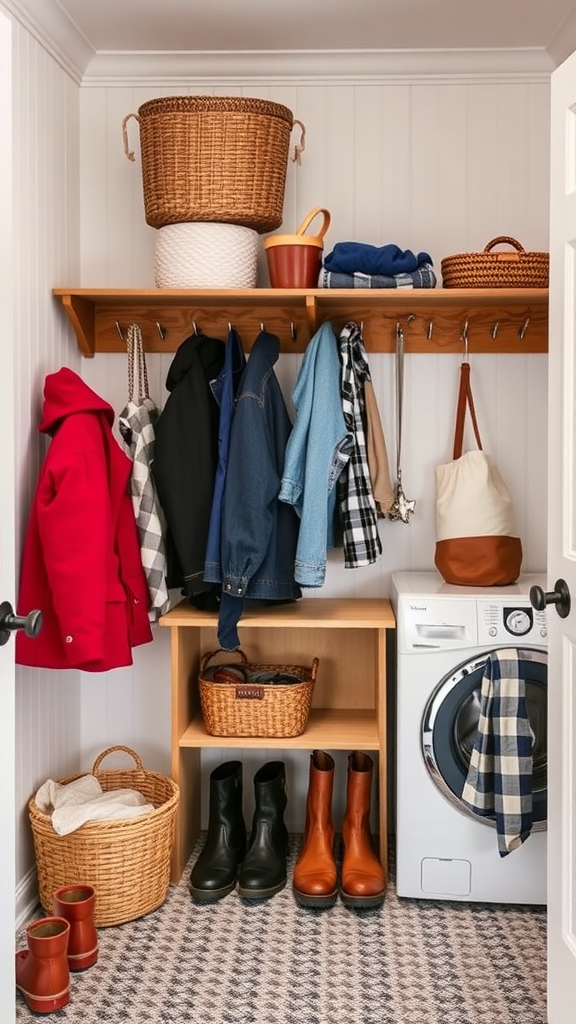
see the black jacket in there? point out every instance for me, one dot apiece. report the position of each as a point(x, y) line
point(185, 460)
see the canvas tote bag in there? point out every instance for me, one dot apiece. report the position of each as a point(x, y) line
point(476, 539)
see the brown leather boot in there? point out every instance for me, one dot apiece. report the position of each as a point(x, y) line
point(363, 877)
point(315, 882)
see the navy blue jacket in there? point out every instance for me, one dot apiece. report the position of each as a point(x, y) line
point(224, 388)
point(259, 532)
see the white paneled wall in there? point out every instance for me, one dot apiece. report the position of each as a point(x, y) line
point(46, 233)
point(436, 165)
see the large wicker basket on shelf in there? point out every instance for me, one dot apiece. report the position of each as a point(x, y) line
point(488, 269)
point(214, 158)
point(246, 706)
point(127, 860)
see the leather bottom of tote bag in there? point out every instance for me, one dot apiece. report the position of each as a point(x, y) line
point(479, 561)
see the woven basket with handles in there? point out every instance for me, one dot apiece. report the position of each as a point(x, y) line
point(245, 706)
point(127, 861)
point(214, 158)
point(488, 269)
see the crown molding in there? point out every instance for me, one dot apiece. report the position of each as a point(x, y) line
point(47, 23)
point(184, 68)
point(563, 43)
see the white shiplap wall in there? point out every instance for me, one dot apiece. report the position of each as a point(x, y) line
point(442, 165)
point(46, 234)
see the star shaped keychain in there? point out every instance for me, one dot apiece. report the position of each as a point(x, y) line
point(402, 507)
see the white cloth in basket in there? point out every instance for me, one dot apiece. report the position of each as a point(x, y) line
point(73, 803)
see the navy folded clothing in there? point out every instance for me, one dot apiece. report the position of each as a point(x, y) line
point(422, 278)
point(389, 260)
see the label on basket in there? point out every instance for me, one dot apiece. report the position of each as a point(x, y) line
point(247, 691)
point(507, 256)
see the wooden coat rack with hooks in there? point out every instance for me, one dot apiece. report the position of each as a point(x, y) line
point(433, 320)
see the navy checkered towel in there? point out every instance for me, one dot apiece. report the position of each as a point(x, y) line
point(499, 781)
point(423, 277)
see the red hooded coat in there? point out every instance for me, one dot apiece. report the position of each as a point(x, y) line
point(81, 563)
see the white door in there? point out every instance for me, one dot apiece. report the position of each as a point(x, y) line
point(562, 552)
point(7, 535)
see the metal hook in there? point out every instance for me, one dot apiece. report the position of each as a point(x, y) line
point(161, 331)
point(523, 329)
point(119, 329)
point(194, 327)
point(494, 331)
point(262, 328)
point(410, 317)
point(430, 330)
point(464, 339)
point(293, 332)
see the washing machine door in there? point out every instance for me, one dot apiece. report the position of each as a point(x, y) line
point(450, 725)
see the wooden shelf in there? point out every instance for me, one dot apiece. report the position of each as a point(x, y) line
point(433, 319)
point(326, 729)
point(349, 638)
point(306, 613)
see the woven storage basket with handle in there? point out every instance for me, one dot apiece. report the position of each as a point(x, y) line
point(214, 158)
point(488, 269)
point(247, 706)
point(127, 861)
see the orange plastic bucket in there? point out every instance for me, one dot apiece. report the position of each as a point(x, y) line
point(294, 261)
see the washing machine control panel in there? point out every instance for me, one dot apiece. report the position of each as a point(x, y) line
point(437, 617)
point(499, 620)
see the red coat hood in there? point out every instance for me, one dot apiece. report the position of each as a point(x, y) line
point(66, 393)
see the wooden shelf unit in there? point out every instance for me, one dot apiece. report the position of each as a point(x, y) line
point(432, 319)
point(348, 636)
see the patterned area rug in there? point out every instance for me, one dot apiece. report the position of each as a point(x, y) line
point(408, 962)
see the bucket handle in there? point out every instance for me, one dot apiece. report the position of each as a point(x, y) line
point(310, 217)
point(129, 152)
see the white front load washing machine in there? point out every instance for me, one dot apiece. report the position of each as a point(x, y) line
point(444, 635)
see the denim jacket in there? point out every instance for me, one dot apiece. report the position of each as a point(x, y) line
point(318, 449)
point(259, 532)
point(224, 389)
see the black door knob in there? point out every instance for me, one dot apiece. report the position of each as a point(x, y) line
point(31, 623)
point(560, 597)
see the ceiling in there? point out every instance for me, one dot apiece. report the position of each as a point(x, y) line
point(265, 25)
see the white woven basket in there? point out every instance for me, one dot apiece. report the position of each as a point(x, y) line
point(206, 255)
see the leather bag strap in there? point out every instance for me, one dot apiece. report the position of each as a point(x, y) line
point(465, 401)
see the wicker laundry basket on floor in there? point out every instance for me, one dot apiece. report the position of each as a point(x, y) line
point(127, 861)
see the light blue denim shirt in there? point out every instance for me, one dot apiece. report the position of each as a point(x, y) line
point(317, 451)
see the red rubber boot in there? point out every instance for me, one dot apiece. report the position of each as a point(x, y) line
point(76, 903)
point(42, 972)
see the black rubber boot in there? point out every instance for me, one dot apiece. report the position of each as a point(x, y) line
point(214, 873)
point(263, 871)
